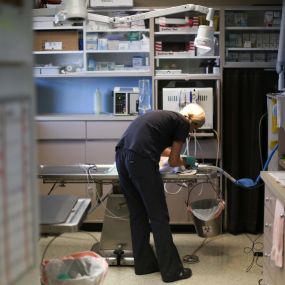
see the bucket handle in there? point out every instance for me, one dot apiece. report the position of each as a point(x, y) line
point(200, 183)
point(221, 207)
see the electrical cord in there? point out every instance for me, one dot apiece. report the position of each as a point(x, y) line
point(53, 188)
point(255, 249)
point(196, 185)
point(99, 198)
point(173, 193)
point(218, 146)
point(192, 257)
point(57, 236)
point(259, 137)
point(47, 247)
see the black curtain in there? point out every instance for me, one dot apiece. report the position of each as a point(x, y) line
point(244, 103)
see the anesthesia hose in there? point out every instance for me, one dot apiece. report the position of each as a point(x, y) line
point(243, 182)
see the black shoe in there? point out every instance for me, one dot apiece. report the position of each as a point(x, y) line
point(184, 274)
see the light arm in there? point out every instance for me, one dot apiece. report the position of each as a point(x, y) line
point(280, 64)
point(168, 11)
point(76, 10)
point(205, 35)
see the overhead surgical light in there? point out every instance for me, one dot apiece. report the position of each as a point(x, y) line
point(76, 10)
point(204, 37)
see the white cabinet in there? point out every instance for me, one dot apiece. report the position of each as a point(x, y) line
point(272, 275)
point(251, 36)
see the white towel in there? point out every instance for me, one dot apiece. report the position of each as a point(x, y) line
point(278, 233)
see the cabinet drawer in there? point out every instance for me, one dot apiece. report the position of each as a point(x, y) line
point(269, 200)
point(61, 152)
point(106, 129)
point(61, 130)
point(100, 152)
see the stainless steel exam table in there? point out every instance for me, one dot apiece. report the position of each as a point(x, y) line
point(115, 242)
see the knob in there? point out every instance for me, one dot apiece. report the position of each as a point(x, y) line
point(268, 199)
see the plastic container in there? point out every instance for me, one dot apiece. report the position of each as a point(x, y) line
point(144, 96)
point(97, 102)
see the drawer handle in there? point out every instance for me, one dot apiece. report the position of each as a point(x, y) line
point(268, 199)
point(267, 225)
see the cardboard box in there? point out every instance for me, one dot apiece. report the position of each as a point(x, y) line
point(56, 40)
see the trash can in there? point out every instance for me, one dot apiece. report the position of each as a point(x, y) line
point(206, 211)
point(82, 268)
point(207, 216)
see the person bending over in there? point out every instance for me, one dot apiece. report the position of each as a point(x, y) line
point(138, 153)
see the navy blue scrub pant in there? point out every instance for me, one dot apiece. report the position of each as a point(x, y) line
point(142, 186)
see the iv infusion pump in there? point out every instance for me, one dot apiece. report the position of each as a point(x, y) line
point(174, 99)
point(125, 100)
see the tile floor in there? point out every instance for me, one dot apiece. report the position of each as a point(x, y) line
point(224, 260)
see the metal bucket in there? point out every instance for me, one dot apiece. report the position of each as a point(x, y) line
point(212, 227)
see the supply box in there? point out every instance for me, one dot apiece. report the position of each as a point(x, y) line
point(111, 3)
point(56, 40)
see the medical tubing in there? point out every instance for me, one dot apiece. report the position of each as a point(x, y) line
point(219, 170)
point(267, 162)
point(218, 147)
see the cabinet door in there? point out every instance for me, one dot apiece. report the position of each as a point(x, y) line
point(268, 265)
point(60, 152)
point(102, 137)
point(61, 130)
point(280, 272)
point(106, 129)
point(61, 143)
point(100, 151)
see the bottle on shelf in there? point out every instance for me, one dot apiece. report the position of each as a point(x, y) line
point(97, 102)
point(144, 96)
point(216, 67)
point(209, 66)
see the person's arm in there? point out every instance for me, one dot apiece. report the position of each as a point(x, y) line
point(166, 152)
point(174, 155)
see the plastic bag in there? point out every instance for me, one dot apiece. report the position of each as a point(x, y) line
point(83, 268)
point(207, 209)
